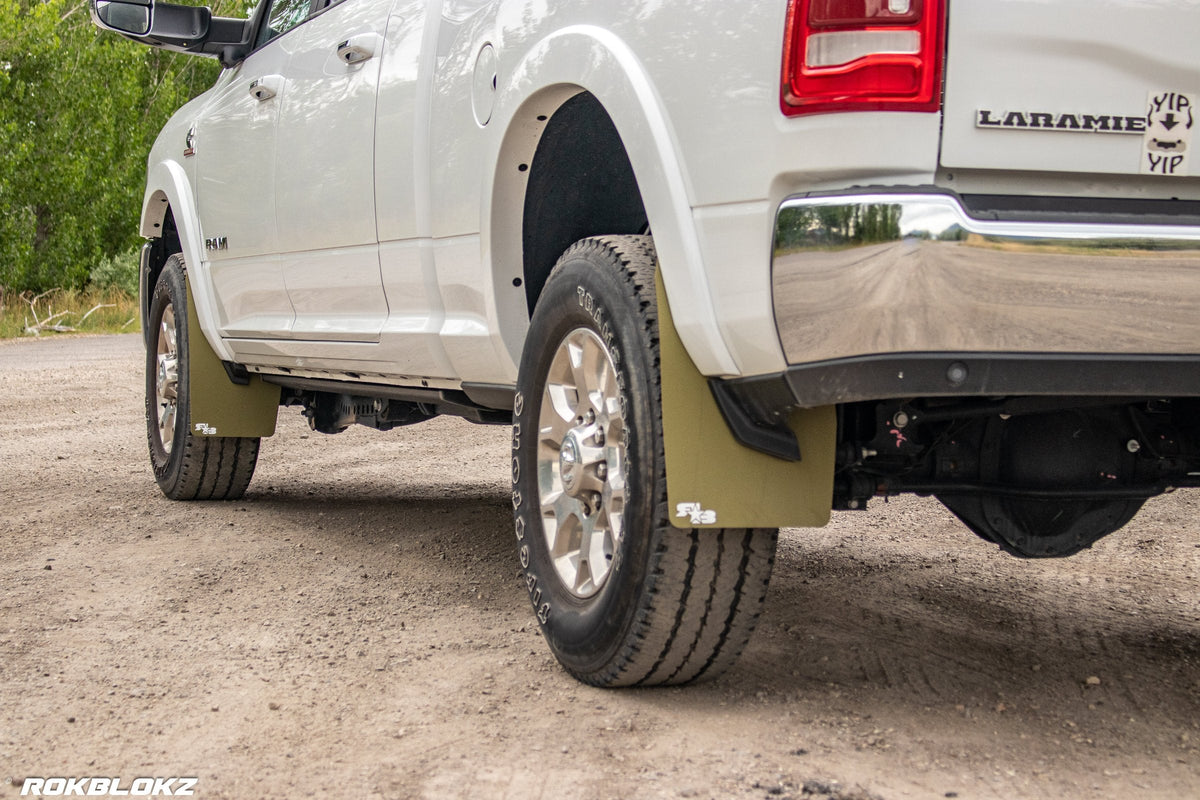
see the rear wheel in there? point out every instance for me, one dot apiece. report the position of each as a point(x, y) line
point(623, 597)
point(186, 466)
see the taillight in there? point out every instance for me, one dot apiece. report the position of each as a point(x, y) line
point(859, 55)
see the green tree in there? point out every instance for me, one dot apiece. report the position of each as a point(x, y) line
point(79, 110)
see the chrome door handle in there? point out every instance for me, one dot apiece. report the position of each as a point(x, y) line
point(266, 87)
point(359, 48)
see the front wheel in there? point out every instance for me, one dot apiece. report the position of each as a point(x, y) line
point(623, 598)
point(186, 466)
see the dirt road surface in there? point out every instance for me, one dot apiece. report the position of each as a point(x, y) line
point(356, 628)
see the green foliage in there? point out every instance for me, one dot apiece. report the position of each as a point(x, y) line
point(79, 110)
point(117, 272)
point(826, 226)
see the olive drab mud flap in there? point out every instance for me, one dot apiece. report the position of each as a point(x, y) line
point(220, 407)
point(713, 481)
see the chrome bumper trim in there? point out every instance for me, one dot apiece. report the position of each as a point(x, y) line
point(875, 274)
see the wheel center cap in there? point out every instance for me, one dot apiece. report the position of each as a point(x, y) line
point(568, 463)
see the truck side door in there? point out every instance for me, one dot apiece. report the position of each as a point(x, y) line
point(324, 175)
point(233, 144)
point(411, 337)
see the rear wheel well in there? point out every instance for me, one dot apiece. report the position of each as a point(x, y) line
point(581, 184)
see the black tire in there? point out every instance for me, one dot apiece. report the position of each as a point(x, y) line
point(660, 605)
point(186, 467)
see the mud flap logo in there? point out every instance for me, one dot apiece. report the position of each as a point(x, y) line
point(696, 513)
point(205, 429)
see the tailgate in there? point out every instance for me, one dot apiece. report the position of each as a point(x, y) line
point(1105, 87)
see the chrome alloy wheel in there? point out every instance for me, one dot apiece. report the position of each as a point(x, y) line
point(581, 462)
point(166, 379)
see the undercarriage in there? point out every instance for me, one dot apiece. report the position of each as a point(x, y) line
point(1039, 476)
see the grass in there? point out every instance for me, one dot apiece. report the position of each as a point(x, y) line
point(1082, 247)
point(60, 312)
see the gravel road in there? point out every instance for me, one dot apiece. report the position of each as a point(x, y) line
point(356, 627)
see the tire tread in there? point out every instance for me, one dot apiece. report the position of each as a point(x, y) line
point(204, 468)
point(706, 588)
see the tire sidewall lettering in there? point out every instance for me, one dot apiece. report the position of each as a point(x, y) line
point(584, 296)
point(541, 609)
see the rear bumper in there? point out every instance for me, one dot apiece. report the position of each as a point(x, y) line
point(882, 295)
point(862, 276)
point(764, 398)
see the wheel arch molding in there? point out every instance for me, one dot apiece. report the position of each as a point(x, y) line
point(169, 193)
point(545, 81)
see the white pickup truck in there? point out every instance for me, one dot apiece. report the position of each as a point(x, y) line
point(723, 266)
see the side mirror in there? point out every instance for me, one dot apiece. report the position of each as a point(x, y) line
point(184, 29)
point(123, 16)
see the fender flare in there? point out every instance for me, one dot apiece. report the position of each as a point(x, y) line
point(587, 58)
point(168, 186)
